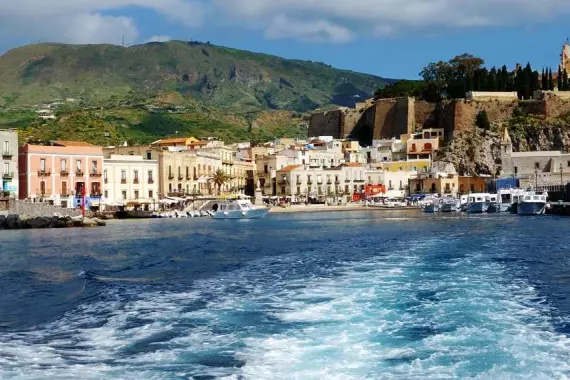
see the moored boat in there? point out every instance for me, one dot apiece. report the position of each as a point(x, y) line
point(238, 209)
point(478, 203)
point(532, 203)
point(450, 205)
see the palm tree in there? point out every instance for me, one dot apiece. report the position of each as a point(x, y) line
point(220, 178)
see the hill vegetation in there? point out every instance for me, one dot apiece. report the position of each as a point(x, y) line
point(218, 76)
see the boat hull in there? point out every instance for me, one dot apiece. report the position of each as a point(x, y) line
point(258, 213)
point(531, 208)
point(478, 208)
point(449, 208)
point(498, 207)
point(431, 209)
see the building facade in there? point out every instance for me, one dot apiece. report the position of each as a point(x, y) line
point(59, 172)
point(131, 180)
point(9, 162)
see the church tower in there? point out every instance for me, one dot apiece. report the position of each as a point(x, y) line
point(565, 57)
point(506, 153)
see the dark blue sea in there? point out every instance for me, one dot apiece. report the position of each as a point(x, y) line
point(362, 295)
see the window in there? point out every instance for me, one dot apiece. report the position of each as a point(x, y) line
point(64, 188)
point(105, 174)
point(6, 167)
point(136, 194)
point(427, 146)
point(78, 165)
point(568, 164)
point(149, 155)
point(95, 188)
point(390, 184)
point(94, 167)
point(265, 168)
point(537, 165)
point(170, 187)
point(43, 165)
point(106, 194)
point(136, 176)
point(6, 147)
point(150, 194)
point(516, 170)
point(123, 176)
point(169, 170)
point(42, 187)
point(63, 165)
point(150, 177)
point(124, 193)
point(187, 173)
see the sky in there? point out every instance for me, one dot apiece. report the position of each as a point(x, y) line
point(389, 38)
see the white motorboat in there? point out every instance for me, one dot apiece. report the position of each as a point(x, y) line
point(238, 209)
point(479, 202)
point(450, 205)
point(506, 198)
point(532, 203)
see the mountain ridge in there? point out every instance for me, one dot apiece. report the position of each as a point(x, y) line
point(216, 75)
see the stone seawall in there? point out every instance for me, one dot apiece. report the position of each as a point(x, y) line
point(40, 209)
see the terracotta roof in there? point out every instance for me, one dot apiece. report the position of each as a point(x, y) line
point(173, 140)
point(290, 168)
point(353, 164)
point(72, 143)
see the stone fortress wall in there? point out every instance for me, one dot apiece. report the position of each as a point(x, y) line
point(388, 118)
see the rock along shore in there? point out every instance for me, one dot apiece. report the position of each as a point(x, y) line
point(17, 222)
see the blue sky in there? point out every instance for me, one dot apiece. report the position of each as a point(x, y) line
point(390, 38)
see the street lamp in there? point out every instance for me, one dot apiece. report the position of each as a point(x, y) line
point(561, 180)
point(536, 180)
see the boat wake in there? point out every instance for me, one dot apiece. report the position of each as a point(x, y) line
point(419, 311)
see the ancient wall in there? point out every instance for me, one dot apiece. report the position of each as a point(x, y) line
point(466, 112)
point(326, 123)
point(393, 117)
point(425, 115)
point(555, 106)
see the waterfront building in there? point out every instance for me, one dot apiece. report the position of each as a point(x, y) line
point(538, 168)
point(57, 172)
point(444, 184)
point(418, 147)
point(302, 182)
point(394, 183)
point(9, 162)
point(131, 181)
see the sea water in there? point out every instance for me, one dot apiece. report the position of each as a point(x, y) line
point(364, 295)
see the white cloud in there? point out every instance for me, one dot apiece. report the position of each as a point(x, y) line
point(313, 31)
point(85, 21)
point(158, 39)
point(386, 17)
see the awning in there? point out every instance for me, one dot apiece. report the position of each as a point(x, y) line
point(176, 199)
point(167, 202)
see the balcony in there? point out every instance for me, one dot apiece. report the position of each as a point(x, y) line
point(43, 173)
point(79, 173)
point(337, 181)
point(171, 176)
point(123, 180)
point(8, 175)
point(329, 181)
point(136, 181)
point(309, 182)
point(150, 181)
point(65, 195)
point(227, 161)
point(180, 178)
point(106, 180)
point(179, 193)
point(95, 195)
point(64, 173)
point(188, 178)
point(359, 180)
point(7, 154)
point(95, 174)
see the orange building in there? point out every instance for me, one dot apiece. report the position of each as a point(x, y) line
point(57, 171)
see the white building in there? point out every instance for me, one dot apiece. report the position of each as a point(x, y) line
point(130, 180)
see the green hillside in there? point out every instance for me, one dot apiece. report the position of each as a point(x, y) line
point(222, 77)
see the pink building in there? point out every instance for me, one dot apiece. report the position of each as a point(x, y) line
point(57, 171)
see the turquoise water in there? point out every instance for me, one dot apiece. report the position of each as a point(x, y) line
point(371, 295)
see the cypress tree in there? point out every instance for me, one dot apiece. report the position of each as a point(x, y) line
point(519, 82)
point(565, 84)
point(527, 82)
point(492, 80)
point(550, 81)
point(560, 84)
point(535, 85)
point(506, 79)
point(544, 80)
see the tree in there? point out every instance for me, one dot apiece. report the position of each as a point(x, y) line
point(544, 80)
point(492, 84)
point(527, 82)
point(220, 178)
point(560, 84)
point(519, 82)
point(482, 121)
point(550, 81)
point(565, 84)
point(535, 85)
point(435, 76)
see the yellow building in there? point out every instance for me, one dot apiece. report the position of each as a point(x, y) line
point(440, 184)
point(176, 142)
point(419, 166)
